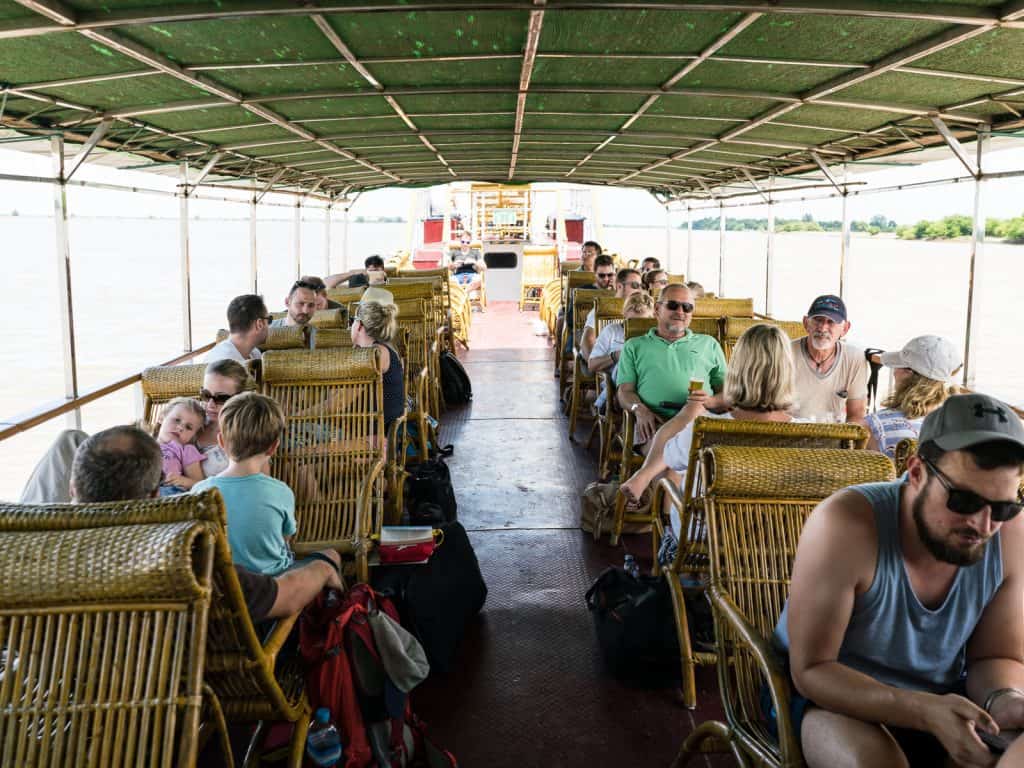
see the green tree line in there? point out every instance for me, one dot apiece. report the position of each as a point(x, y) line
point(877, 223)
point(959, 225)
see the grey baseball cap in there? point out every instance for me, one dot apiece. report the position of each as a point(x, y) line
point(966, 420)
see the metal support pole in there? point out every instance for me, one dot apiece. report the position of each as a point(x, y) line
point(297, 239)
point(721, 250)
point(344, 237)
point(64, 295)
point(327, 239)
point(668, 238)
point(186, 259)
point(769, 260)
point(974, 299)
point(844, 246)
point(689, 243)
point(253, 258)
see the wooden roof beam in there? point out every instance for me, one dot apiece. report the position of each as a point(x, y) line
point(533, 31)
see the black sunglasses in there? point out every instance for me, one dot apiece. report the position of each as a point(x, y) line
point(965, 502)
point(605, 275)
point(673, 306)
point(206, 395)
point(635, 285)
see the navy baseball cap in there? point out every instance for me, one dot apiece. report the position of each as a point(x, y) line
point(828, 306)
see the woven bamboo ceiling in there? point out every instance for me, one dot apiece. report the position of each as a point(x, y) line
point(679, 98)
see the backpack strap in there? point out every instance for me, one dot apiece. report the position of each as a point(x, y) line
point(875, 366)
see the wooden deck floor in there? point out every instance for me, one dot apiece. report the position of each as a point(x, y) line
point(530, 689)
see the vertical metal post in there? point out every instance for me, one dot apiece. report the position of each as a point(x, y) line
point(344, 236)
point(446, 221)
point(844, 248)
point(186, 258)
point(721, 250)
point(253, 258)
point(974, 299)
point(64, 295)
point(689, 243)
point(297, 235)
point(668, 238)
point(769, 260)
point(327, 238)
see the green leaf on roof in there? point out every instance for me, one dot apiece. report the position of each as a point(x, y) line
point(101, 49)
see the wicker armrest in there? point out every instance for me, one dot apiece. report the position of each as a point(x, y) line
point(278, 635)
point(775, 677)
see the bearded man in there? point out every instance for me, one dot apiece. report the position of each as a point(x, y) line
point(904, 630)
point(830, 376)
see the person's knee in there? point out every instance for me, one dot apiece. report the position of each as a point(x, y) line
point(830, 740)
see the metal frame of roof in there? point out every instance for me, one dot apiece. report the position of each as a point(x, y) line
point(684, 99)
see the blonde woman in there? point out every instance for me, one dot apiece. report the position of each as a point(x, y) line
point(608, 346)
point(758, 387)
point(922, 370)
point(375, 325)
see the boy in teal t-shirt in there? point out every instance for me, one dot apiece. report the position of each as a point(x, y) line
point(260, 509)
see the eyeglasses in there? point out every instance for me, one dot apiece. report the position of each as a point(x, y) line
point(674, 306)
point(268, 319)
point(965, 502)
point(206, 395)
point(661, 281)
point(635, 285)
point(605, 275)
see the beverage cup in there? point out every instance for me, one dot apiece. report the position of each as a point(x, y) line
point(696, 384)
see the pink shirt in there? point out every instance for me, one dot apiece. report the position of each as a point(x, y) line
point(178, 456)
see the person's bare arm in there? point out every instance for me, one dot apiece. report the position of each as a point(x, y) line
point(587, 342)
point(835, 562)
point(995, 654)
point(856, 410)
point(333, 281)
point(194, 473)
point(297, 588)
point(602, 363)
point(646, 419)
point(654, 463)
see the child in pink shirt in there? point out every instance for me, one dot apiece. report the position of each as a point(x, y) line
point(183, 419)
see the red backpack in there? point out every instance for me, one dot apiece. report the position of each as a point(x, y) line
point(345, 674)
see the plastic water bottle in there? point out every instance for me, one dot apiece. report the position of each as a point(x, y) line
point(630, 566)
point(323, 744)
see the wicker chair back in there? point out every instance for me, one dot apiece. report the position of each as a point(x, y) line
point(710, 307)
point(288, 337)
point(163, 383)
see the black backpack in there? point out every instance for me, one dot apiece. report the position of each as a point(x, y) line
point(455, 384)
point(431, 498)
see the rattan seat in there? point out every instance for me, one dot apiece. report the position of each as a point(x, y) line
point(102, 639)
point(279, 337)
point(163, 383)
point(756, 501)
point(332, 453)
point(734, 327)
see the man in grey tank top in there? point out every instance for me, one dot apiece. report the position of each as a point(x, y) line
point(904, 629)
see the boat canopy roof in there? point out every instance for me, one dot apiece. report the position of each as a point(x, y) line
point(680, 98)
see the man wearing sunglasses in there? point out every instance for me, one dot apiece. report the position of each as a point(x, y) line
point(905, 622)
point(627, 282)
point(248, 321)
point(658, 367)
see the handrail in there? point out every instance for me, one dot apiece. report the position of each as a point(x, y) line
point(33, 418)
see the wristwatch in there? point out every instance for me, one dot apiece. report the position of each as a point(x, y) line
point(633, 407)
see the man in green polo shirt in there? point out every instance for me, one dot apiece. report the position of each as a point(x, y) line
point(658, 366)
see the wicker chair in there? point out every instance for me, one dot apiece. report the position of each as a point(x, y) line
point(571, 280)
point(102, 639)
point(549, 298)
point(607, 310)
point(905, 448)
point(332, 454)
point(734, 327)
point(581, 378)
point(712, 307)
point(692, 552)
point(538, 269)
point(461, 318)
point(757, 500)
point(163, 383)
point(346, 296)
point(329, 318)
point(288, 337)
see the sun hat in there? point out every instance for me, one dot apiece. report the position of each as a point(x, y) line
point(934, 357)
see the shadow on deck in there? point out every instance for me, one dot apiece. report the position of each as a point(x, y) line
point(529, 688)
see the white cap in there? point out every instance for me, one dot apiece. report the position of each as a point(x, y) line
point(933, 357)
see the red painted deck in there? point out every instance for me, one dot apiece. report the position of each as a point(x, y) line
point(530, 689)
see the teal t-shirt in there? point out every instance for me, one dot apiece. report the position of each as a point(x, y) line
point(660, 370)
point(261, 513)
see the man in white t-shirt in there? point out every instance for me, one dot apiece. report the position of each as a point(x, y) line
point(627, 282)
point(248, 321)
point(830, 376)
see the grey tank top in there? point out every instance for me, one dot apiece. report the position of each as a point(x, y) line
point(892, 637)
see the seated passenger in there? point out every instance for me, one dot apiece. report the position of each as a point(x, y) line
point(656, 369)
point(372, 274)
point(627, 282)
point(260, 509)
point(322, 302)
point(375, 325)
point(588, 254)
point(922, 371)
point(222, 380)
point(467, 268)
point(758, 387)
point(124, 463)
point(655, 281)
point(604, 278)
point(831, 376)
point(248, 321)
point(903, 630)
point(182, 421)
point(608, 346)
point(697, 288)
point(648, 264)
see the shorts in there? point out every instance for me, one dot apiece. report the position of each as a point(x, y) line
point(171, 490)
point(921, 748)
point(465, 278)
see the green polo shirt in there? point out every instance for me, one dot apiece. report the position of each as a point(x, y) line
point(661, 370)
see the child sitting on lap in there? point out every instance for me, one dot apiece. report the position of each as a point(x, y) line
point(260, 509)
point(183, 419)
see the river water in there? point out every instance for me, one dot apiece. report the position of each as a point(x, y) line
point(127, 297)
